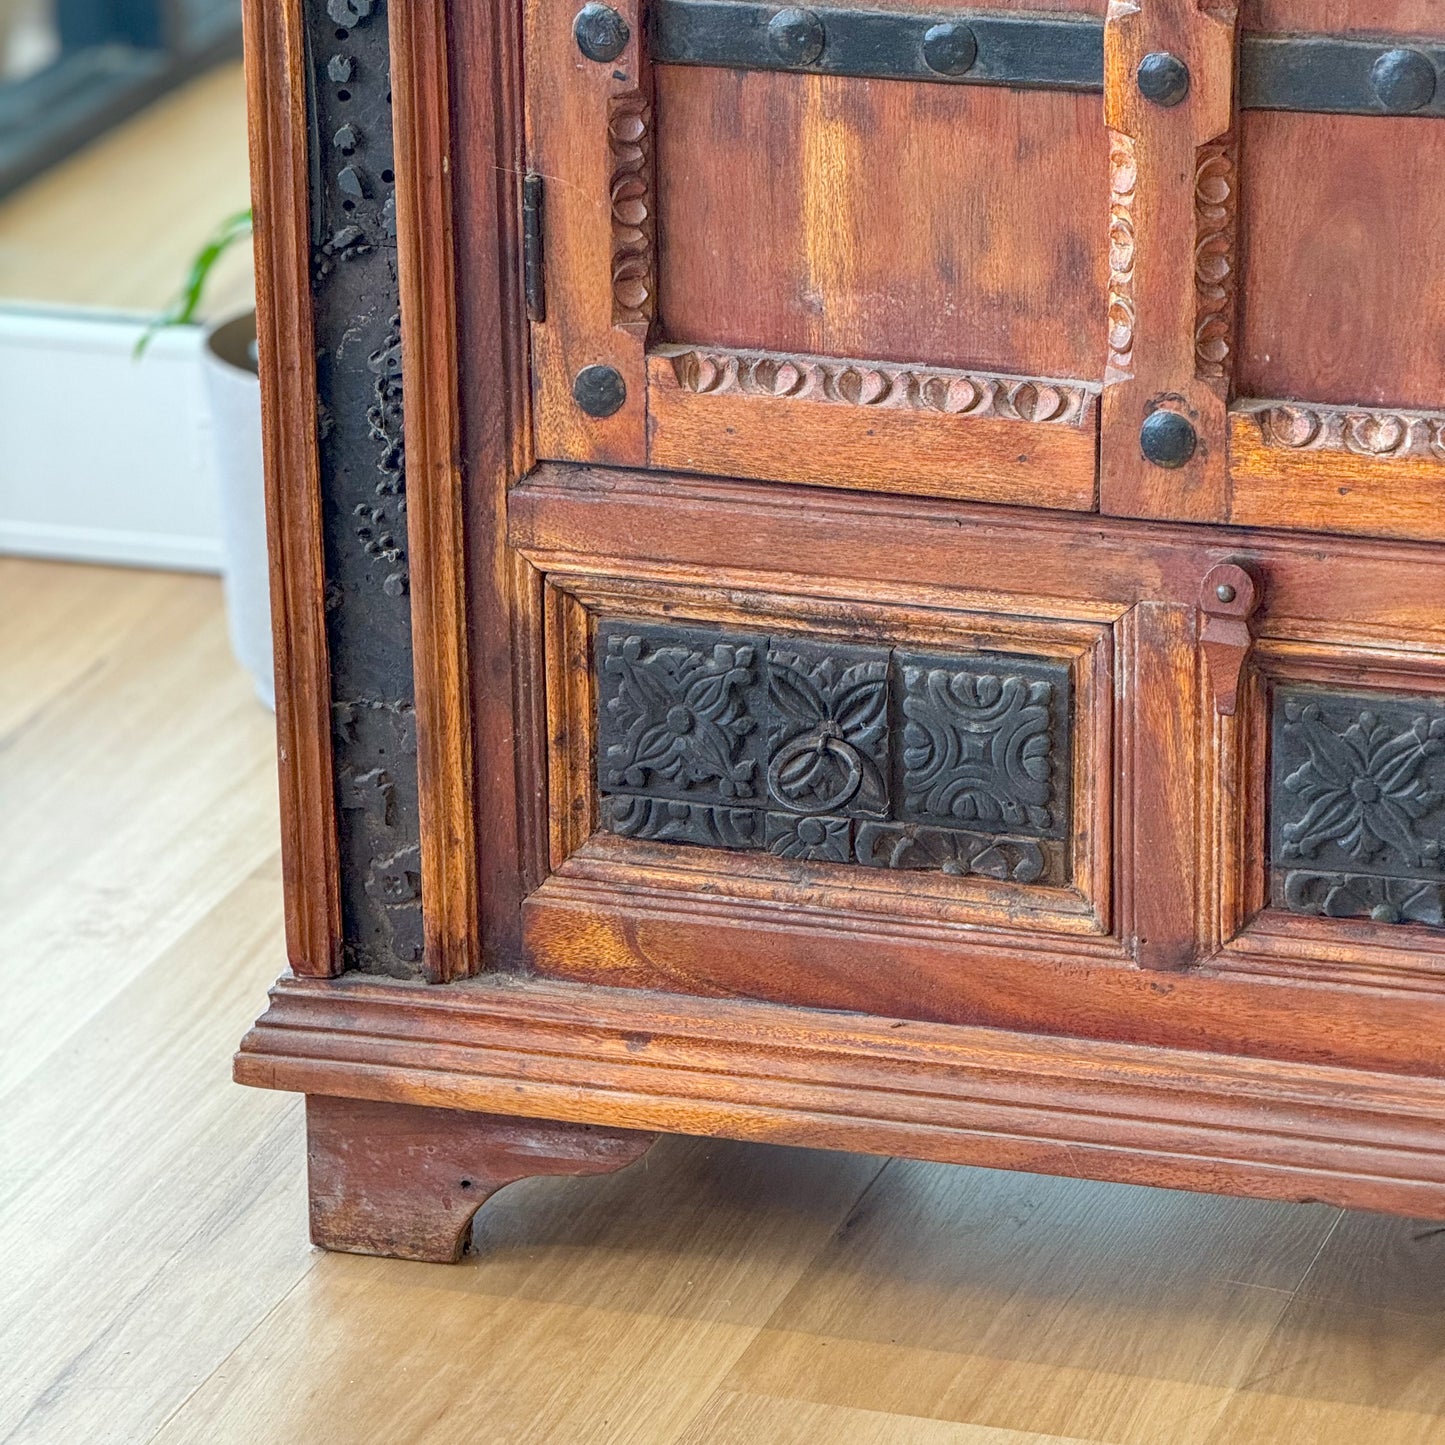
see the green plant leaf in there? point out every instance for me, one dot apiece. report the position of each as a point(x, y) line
point(182, 310)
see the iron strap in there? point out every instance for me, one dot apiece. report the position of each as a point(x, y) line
point(1039, 52)
point(1386, 76)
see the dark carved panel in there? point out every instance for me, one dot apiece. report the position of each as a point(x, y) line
point(822, 752)
point(979, 744)
point(1357, 806)
point(363, 482)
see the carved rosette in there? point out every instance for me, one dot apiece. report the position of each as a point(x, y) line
point(629, 138)
point(875, 384)
point(1366, 432)
point(977, 747)
point(1215, 204)
point(1358, 806)
point(828, 753)
point(1123, 183)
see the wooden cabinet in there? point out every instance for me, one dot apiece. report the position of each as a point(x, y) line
point(908, 613)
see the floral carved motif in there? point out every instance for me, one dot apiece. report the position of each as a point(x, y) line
point(1362, 895)
point(827, 738)
point(824, 752)
point(668, 820)
point(678, 714)
point(629, 138)
point(1123, 182)
point(1215, 201)
point(876, 384)
point(1367, 432)
point(978, 747)
point(984, 855)
point(1359, 804)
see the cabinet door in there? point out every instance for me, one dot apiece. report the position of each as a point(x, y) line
point(1276, 265)
point(829, 245)
point(1339, 419)
point(1177, 262)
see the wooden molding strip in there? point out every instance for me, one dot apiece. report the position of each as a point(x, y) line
point(279, 136)
point(568, 519)
point(435, 512)
point(1360, 471)
point(1170, 304)
point(964, 1095)
point(1375, 433)
point(720, 371)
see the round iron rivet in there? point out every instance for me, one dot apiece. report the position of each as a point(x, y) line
point(1167, 439)
point(1225, 592)
point(949, 48)
point(599, 390)
point(1163, 78)
point(1404, 80)
point(796, 36)
point(601, 33)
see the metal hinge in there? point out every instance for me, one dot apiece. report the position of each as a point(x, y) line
point(532, 274)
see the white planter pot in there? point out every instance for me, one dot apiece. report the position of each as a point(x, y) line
point(228, 362)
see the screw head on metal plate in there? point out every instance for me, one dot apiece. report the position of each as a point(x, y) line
point(1404, 80)
point(949, 48)
point(796, 36)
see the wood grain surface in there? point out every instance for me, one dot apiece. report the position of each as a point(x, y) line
point(1341, 258)
point(280, 179)
point(435, 508)
point(782, 202)
point(1350, 17)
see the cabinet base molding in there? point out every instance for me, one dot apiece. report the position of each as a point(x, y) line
point(623, 1060)
point(405, 1182)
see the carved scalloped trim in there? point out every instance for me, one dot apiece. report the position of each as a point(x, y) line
point(1364, 431)
point(876, 384)
point(1123, 182)
point(629, 139)
point(1215, 201)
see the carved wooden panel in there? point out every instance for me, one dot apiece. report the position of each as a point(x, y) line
point(1358, 806)
point(793, 243)
point(1351, 202)
point(830, 753)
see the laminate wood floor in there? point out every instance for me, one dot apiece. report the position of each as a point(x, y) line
point(155, 1279)
point(115, 226)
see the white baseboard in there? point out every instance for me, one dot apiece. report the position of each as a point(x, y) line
point(76, 543)
point(105, 458)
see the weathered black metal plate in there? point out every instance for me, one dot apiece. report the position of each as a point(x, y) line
point(1342, 77)
point(1034, 51)
point(363, 483)
point(1357, 806)
point(825, 752)
point(1388, 76)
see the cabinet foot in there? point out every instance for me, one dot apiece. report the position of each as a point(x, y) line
point(404, 1181)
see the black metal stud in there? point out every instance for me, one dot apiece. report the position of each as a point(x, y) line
point(796, 36)
point(1167, 439)
point(1404, 80)
point(1163, 78)
point(599, 390)
point(601, 33)
point(949, 48)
